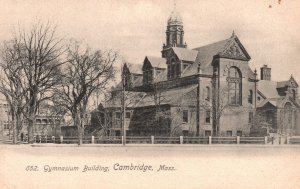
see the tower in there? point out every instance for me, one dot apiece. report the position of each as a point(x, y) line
point(174, 32)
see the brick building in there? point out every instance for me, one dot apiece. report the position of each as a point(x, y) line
point(209, 90)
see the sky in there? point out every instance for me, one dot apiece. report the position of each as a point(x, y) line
point(269, 29)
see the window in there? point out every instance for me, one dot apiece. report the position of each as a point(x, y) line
point(177, 70)
point(185, 133)
point(207, 116)
point(229, 133)
point(6, 126)
point(127, 115)
point(118, 133)
point(269, 116)
point(185, 116)
point(250, 117)
point(207, 93)
point(294, 94)
point(250, 97)
point(38, 121)
point(234, 86)
point(172, 70)
point(118, 115)
point(258, 98)
point(239, 133)
point(207, 132)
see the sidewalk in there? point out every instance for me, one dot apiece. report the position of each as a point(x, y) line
point(168, 145)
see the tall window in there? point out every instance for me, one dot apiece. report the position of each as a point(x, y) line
point(234, 80)
point(294, 94)
point(207, 116)
point(207, 93)
point(185, 116)
point(250, 97)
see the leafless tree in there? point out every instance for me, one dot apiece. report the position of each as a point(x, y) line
point(37, 55)
point(10, 86)
point(85, 73)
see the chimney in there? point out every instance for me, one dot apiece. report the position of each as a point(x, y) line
point(265, 73)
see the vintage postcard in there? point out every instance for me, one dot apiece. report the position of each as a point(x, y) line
point(149, 94)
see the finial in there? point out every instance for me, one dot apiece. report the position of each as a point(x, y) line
point(233, 34)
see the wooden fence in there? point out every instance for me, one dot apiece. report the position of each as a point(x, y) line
point(162, 140)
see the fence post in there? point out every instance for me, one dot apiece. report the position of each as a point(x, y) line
point(61, 139)
point(287, 140)
point(279, 139)
point(181, 139)
point(238, 139)
point(152, 139)
point(122, 138)
point(53, 139)
point(266, 140)
point(209, 139)
point(93, 140)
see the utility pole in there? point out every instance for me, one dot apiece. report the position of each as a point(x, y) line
point(123, 105)
point(198, 102)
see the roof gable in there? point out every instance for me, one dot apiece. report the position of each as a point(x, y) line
point(289, 83)
point(157, 62)
point(228, 48)
point(134, 68)
point(234, 50)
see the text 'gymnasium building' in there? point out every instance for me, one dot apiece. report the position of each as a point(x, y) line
point(209, 90)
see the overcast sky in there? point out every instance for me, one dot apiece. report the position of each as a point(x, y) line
point(137, 27)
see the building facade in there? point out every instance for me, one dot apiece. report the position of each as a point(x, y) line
point(209, 90)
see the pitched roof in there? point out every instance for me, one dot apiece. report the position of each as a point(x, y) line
point(173, 96)
point(157, 62)
point(206, 54)
point(134, 68)
point(185, 54)
point(282, 84)
point(268, 88)
point(204, 57)
point(162, 76)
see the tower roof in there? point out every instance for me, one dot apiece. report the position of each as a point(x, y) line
point(175, 18)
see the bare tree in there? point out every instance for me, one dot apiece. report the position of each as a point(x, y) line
point(37, 55)
point(10, 86)
point(85, 73)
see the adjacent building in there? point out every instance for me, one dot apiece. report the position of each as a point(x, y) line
point(208, 90)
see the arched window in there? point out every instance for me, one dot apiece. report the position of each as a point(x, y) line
point(294, 94)
point(250, 97)
point(207, 93)
point(234, 80)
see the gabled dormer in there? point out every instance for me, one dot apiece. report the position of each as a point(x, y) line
point(288, 88)
point(152, 68)
point(178, 60)
point(132, 75)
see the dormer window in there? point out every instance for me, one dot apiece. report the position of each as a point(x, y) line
point(174, 69)
point(148, 76)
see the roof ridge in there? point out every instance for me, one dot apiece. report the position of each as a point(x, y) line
point(212, 43)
